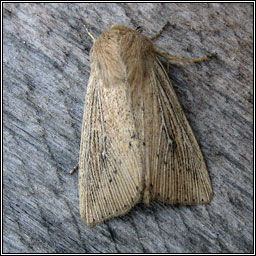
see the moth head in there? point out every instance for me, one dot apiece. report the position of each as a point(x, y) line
point(123, 53)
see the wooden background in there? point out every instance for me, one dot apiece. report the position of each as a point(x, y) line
point(45, 72)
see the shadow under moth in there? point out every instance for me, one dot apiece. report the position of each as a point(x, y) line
point(136, 143)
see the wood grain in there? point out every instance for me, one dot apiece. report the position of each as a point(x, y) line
point(45, 74)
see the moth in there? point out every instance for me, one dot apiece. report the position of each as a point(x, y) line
point(136, 143)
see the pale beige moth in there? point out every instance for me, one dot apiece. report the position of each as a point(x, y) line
point(136, 143)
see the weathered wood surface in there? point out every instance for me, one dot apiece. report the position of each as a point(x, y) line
point(45, 73)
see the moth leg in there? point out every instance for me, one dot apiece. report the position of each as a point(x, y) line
point(167, 66)
point(160, 31)
point(168, 56)
point(87, 30)
point(74, 169)
point(139, 29)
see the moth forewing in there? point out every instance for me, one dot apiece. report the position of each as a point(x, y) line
point(136, 143)
point(182, 176)
point(110, 165)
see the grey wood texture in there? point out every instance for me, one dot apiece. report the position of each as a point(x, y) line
point(45, 72)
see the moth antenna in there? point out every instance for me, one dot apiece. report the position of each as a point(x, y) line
point(160, 31)
point(87, 30)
